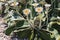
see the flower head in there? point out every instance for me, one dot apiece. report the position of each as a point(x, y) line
point(35, 4)
point(14, 3)
point(35, 0)
point(26, 11)
point(47, 5)
point(39, 9)
point(6, 4)
point(42, 2)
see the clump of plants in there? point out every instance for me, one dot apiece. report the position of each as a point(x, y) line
point(31, 19)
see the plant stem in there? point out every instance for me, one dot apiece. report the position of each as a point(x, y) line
point(27, 18)
point(40, 24)
point(19, 13)
point(31, 9)
point(31, 37)
point(47, 18)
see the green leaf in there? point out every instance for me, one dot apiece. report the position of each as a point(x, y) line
point(40, 16)
point(53, 18)
point(19, 23)
point(12, 28)
point(24, 34)
point(44, 35)
point(56, 26)
point(9, 30)
point(57, 9)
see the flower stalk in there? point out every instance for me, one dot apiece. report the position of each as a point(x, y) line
point(31, 9)
point(40, 24)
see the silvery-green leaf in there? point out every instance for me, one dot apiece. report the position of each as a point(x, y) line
point(25, 25)
point(57, 8)
point(6, 10)
point(18, 18)
point(58, 17)
point(34, 18)
point(44, 19)
point(57, 37)
point(50, 25)
point(11, 23)
point(12, 18)
point(10, 13)
point(58, 23)
point(53, 18)
point(54, 33)
point(41, 15)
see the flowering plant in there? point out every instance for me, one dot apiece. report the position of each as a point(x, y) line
point(31, 19)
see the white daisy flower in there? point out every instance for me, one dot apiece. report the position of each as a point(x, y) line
point(39, 9)
point(47, 5)
point(35, 4)
point(6, 4)
point(14, 4)
point(35, 0)
point(26, 11)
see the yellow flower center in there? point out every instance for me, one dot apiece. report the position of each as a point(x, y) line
point(39, 9)
point(26, 11)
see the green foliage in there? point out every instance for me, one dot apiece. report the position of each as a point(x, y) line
point(36, 25)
